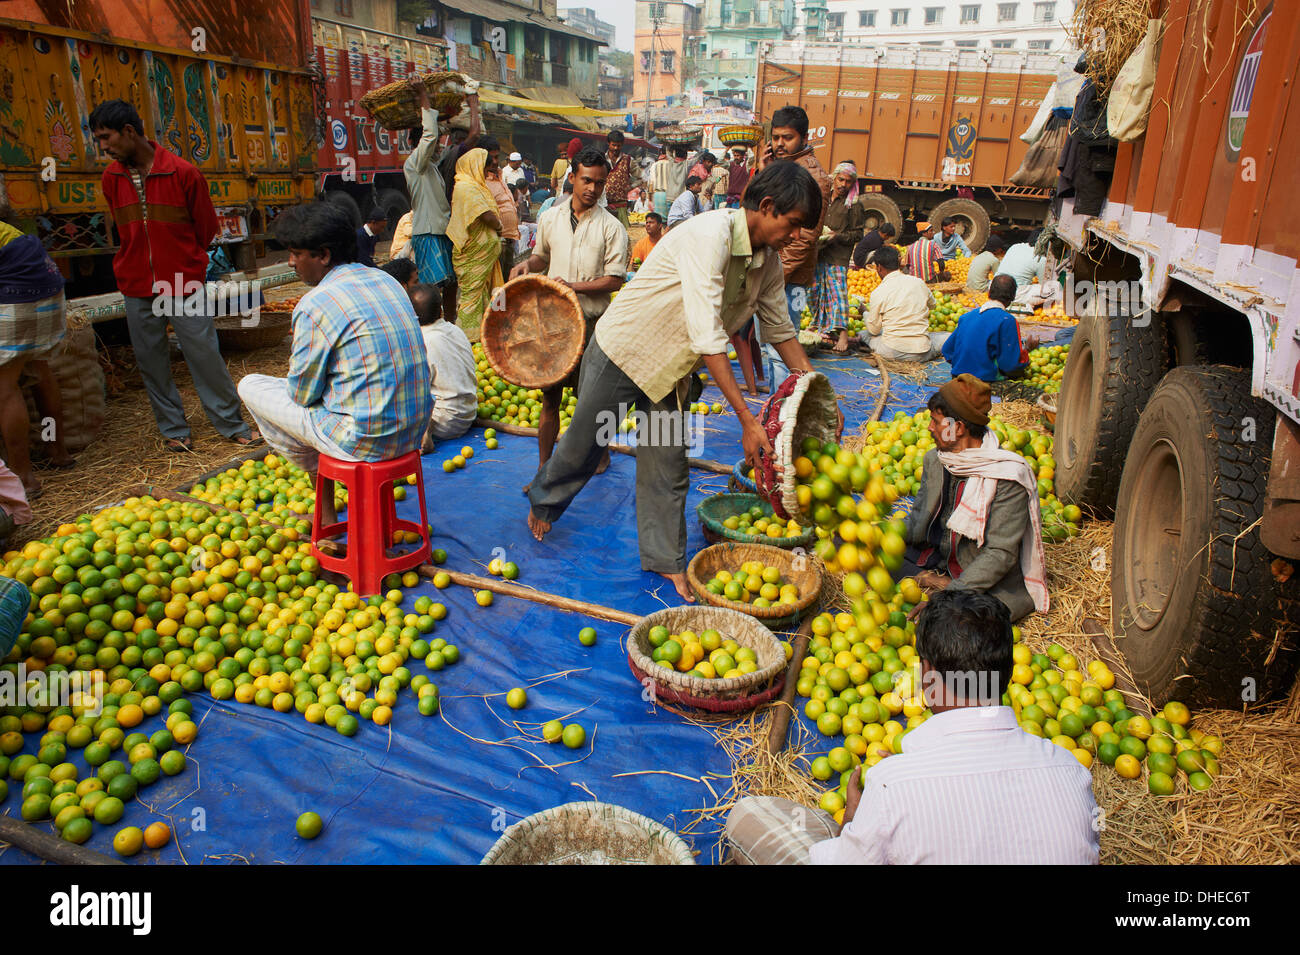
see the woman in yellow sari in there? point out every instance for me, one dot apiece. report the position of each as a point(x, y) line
point(475, 234)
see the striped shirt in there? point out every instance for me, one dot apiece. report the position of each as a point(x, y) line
point(971, 787)
point(923, 259)
point(359, 365)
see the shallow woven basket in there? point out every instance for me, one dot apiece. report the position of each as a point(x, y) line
point(809, 411)
point(271, 329)
point(395, 106)
point(740, 480)
point(807, 576)
point(589, 833)
point(1047, 405)
point(538, 337)
point(735, 695)
point(714, 510)
point(678, 135)
point(749, 135)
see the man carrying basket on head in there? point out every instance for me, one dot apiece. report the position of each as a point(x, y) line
point(584, 247)
point(704, 281)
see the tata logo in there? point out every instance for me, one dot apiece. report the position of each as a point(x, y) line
point(1243, 89)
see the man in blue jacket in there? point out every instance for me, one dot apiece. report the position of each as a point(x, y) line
point(986, 343)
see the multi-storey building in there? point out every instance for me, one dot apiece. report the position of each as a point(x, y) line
point(667, 37)
point(585, 18)
point(1025, 25)
point(726, 64)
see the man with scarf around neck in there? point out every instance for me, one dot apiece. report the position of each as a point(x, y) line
point(799, 256)
point(975, 524)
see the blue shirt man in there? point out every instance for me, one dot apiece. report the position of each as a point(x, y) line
point(949, 241)
point(986, 343)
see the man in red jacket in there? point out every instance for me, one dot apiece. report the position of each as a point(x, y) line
point(165, 220)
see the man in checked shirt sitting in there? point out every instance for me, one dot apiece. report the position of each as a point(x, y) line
point(969, 787)
point(358, 385)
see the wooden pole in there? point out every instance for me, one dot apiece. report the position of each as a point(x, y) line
point(776, 736)
point(702, 464)
point(49, 847)
point(507, 589)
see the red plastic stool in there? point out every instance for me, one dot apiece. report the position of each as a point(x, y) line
point(371, 519)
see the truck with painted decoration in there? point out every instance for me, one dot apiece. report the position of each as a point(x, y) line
point(1180, 407)
point(934, 133)
point(225, 85)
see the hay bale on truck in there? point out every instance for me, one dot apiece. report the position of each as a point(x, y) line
point(933, 133)
point(237, 100)
point(1179, 409)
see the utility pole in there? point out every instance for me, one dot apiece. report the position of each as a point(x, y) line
point(655, 20)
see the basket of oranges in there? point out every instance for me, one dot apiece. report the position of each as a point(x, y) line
point(708, 658)
point(748, 519)
point(773, 585)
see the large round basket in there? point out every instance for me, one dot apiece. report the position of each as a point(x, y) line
point(589, 833)
point(740, 479)
point(678, 135)
point(739, 694)
point(533, 331)
point(716, 509)
point(747, 135)
point(235, 334)
point(802, 407)
point(396, 107)
point(1047, 405)
point(802, 570)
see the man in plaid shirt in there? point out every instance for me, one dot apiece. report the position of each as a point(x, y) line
point(358, 385)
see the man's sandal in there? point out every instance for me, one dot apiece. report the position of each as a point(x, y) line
point(179, 445)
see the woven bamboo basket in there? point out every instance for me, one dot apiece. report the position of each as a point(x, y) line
point(270, 329)
point(803, 570)
point(678, 135)
point(396, 107)
point(1047, 405)
point(536, 339)
point(808, 410)
point(735, 695)
point(714, 510)
point(740, 480)
point(589, 833)
point(746, 135)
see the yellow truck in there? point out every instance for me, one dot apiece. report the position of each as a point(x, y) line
point(226, 85)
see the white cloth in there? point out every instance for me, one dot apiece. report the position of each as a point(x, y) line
point(451, 371)
point(898, 311)
point(971, 788)
point(1022, 265)
point(512, 177)
point(288, 427)
point(985, 466)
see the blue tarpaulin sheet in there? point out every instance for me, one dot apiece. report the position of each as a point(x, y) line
point(441, 789)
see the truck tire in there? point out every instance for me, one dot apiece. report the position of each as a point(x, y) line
point(972, 221)
point(395, 204)
point(881, 209)
point(1195, 607)
point(1112, 369)
point(341, 200)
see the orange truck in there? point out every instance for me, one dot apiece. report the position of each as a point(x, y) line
point(226, 84)
point(934, 133)
point(1180, 406)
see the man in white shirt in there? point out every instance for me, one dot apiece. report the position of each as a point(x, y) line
point(1022, 265)
point(514, 173)
point(705, 280)
point(585, 247)
point(898, 312)
point(687, 204)
point(451, 370)
point(970, 786)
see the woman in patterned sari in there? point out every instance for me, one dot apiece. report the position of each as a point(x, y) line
point(475, 234)
point(845, 218)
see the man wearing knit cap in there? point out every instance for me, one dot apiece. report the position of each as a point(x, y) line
point(975, 524)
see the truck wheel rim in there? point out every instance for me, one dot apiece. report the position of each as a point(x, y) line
point(1077, 408)
point(1154, 532)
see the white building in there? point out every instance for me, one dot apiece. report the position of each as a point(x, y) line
point(1024, 25)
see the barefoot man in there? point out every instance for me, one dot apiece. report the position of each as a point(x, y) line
point(705, 280)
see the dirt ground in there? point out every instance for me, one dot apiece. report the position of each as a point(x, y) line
point(1252, 815)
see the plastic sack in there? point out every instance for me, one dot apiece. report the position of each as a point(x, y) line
point(1035, 129)
point(1130, 95)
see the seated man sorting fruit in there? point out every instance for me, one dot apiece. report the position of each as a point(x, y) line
point(358, 385)
point(975, 524)
point(705, 280)
point(969, 787)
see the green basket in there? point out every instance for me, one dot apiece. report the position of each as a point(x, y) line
point(716, 509)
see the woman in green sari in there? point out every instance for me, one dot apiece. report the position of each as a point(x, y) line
point(475, 234)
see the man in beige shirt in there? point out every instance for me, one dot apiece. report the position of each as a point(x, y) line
point(585, 247)
point(704, 281)
point(898, 312)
